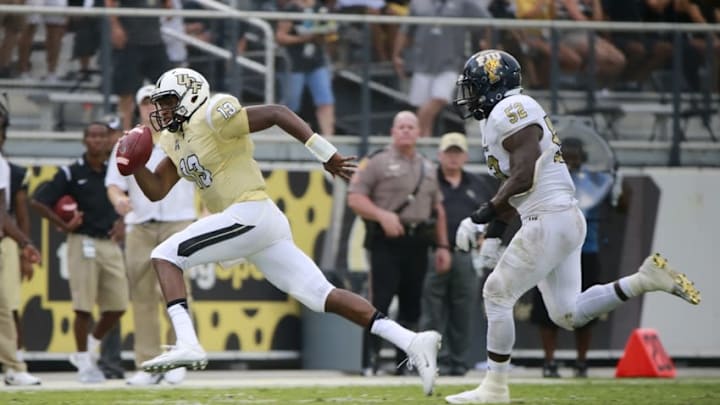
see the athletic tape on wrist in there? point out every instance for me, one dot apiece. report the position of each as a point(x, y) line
point(320, 148)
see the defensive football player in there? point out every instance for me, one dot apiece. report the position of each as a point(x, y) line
point(207, 140)
point(523, 150)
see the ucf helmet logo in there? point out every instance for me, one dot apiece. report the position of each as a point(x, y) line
point(189, 82)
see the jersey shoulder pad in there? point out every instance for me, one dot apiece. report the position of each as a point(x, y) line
point(514, 113)
point(221, 108)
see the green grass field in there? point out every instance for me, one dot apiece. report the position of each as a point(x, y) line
point(606, 391)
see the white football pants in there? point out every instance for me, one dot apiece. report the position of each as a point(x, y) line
point(259, 232)
point(544, 252)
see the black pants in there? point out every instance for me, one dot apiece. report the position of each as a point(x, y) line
point(397, 267)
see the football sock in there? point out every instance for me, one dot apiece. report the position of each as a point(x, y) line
point(391, 331)
point(498, 366)
point(501, 327)
point(631, 285)
point(93, 344)
point(180, 317)
point(595, 301)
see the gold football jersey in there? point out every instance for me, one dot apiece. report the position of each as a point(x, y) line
point(214, 151)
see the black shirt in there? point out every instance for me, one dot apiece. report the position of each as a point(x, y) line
point(459, 202)
point(87, 187)
point(17, 183)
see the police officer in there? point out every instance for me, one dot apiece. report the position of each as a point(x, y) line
point(95, 260)
point(396, 192)
point(448, 296)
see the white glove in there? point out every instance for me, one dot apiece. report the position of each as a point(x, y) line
point(467, 234)
point(489, 253)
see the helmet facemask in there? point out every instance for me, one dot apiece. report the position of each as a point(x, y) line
point(167, 114)
point(468, 102)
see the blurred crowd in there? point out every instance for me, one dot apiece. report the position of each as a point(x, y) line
point(311, 50)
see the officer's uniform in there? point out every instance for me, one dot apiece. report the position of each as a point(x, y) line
point(448, 298)
point(398, 265)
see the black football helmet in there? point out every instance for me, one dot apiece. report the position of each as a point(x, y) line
point(488, 77)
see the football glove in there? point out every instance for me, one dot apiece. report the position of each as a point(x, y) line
point(484, 214)
point(467, 235)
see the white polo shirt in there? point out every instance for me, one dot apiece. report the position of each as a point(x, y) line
point(178, 205)
point(5, 181)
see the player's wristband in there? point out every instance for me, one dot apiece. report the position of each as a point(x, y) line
point(320, 148)
point(495, 229)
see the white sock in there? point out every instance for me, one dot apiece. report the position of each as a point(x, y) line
point(93, 344)
point(182, 324)
point(631, 285)
point(20, 355)
point(392, 332)
point(595, 301)
point(498, 367)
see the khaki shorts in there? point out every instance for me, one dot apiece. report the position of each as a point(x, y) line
point(97, 274)
point(10, 272)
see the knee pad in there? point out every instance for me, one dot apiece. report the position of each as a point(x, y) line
point(495, 291)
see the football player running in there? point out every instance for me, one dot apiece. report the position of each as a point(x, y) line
point(207, 140)
point(523, 150)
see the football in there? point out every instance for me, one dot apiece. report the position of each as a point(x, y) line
point(134, 149)
point(65, 207)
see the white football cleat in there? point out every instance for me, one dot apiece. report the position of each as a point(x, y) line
point(180, 355)
point(175, 376)
point(422, 355)
point(20, 378)
point(655, 274)
point(493, 390)
point(143, 378)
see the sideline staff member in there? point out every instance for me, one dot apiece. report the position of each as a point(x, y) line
point(396, 191)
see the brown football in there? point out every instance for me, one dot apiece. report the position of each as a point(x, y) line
point(65, 207)
point(134, 149)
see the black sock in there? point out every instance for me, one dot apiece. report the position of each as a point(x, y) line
point(181, 301)
point(377, 315)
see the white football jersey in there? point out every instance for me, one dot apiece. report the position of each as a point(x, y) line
point(552, 189)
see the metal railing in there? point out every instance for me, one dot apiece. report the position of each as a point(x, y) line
point(221, 11)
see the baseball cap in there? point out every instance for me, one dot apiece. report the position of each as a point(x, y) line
point(455, 139)
point(144, 92)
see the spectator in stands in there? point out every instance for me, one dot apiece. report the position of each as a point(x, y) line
point(214, 32)
point(88, 33)
point(12, 25)
point(449, 295)
point(148, 223)
point(139, 53)
point(644, 51)
point(701, 12)
point(176, 49)
point(609, 61)
point(54, 32)
point(309, 64)
point(396, 192)
point(95, 260)
point(594, 188)
point(539, 47)
point(369, 7)
point(433, 78)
